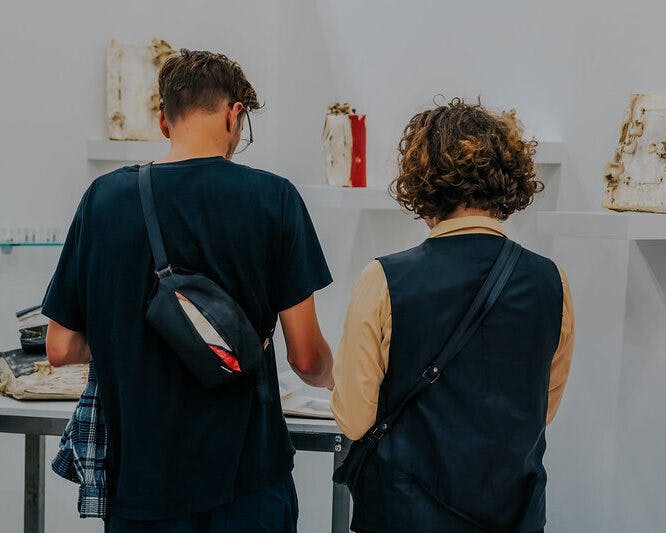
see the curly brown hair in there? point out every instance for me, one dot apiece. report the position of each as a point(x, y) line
point(463, 155)
point(192, 79)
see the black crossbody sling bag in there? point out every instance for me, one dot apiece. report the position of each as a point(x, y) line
point(349, 471)
point(196, 317)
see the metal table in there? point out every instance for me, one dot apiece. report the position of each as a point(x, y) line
point(36, 419)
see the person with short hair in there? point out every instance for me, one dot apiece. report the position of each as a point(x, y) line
point(182, 457)
point(466, 454)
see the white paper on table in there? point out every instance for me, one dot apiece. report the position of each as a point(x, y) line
point(298, 399)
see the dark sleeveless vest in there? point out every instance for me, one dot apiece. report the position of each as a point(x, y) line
point(466, 455)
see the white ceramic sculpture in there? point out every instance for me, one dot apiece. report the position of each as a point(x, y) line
point(635, 177)
point(337, 140)
point(344, 139)
point(132, 98)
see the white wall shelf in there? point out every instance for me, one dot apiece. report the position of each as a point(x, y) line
point(603, 225)
point(106, 150)
point(548, 152)
point(347, 197)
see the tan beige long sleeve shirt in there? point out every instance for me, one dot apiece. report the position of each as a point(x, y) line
point(363, 355)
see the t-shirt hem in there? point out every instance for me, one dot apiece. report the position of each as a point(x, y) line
point(305, 294)
point(131, 512)
point(64, 321)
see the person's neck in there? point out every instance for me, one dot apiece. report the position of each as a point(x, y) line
point(197, 138)
point(468, 212)
point(458, 213)
point(184, 151)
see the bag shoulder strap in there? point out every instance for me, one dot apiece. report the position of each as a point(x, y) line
point(162, 266)
point(481, 305)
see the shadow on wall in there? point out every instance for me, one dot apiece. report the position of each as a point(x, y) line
point(640, 465)
point(654, 255)
point(306, 84)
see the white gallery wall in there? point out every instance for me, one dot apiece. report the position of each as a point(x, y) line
point(568, 67)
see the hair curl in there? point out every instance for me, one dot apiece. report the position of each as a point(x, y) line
point(463, 155)
point(194, 79)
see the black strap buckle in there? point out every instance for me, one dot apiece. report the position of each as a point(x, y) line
point(377, 433)
point(165, 272)
point(431, 374)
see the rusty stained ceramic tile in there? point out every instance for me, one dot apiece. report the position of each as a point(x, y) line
point(635, 176)
point(132, 98)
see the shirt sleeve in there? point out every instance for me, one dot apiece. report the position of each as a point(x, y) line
point(302, 265)
point(362, 358)
point(64, 297)
point(559, 371)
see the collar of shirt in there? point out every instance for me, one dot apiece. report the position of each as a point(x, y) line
point(469, 224)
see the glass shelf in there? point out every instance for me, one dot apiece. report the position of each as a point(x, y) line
point(7, 247)
point(28, 244)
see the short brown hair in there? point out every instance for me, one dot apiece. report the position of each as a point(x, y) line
point(464, 155)
point(192, 79)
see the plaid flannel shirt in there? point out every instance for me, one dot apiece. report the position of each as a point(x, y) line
point(82, 454)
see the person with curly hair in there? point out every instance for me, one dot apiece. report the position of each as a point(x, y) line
point(466, 454)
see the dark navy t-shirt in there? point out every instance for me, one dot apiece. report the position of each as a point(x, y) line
point(176, 447)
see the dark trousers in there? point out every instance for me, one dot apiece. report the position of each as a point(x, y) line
point(273, 509)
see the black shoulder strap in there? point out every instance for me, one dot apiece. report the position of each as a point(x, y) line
point(482, 303)
point(162, 267)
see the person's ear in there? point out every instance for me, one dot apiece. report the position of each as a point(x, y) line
point(164, 125)
point(235, 111)
point(229, 118)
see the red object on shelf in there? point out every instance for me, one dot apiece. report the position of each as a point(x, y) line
point(358, 168)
